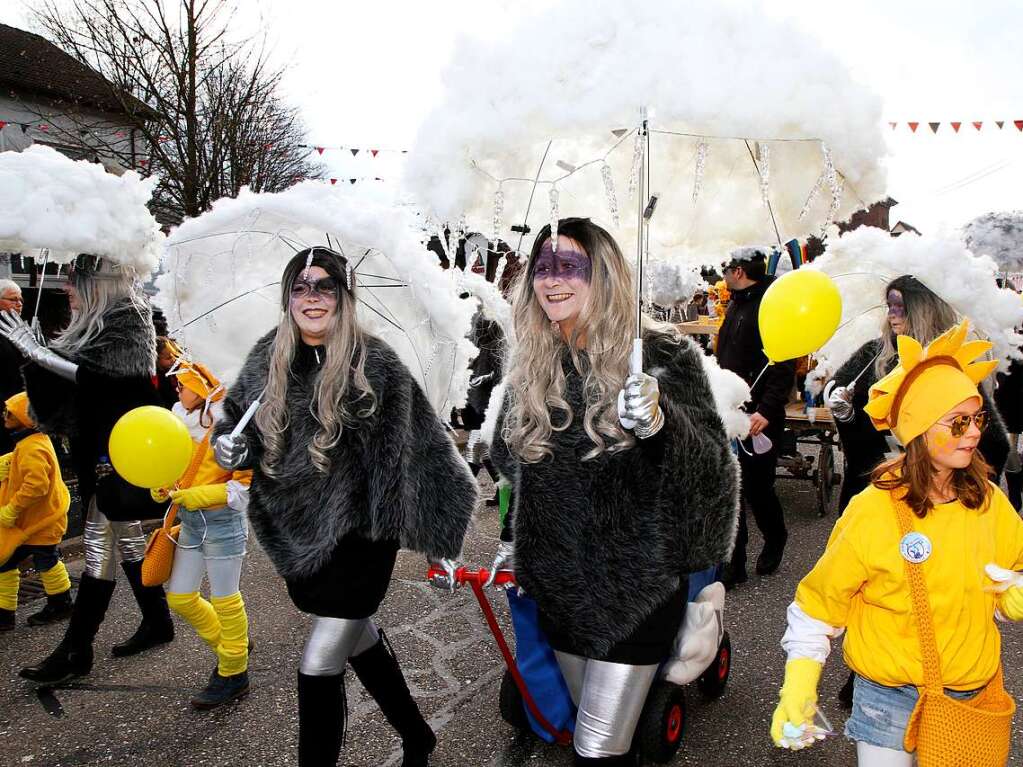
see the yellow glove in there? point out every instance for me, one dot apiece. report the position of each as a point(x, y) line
point(1010, 603)
point(798, 696)
point(160, 494)
point(8, 515)
point(5, 465)
point(201, 497)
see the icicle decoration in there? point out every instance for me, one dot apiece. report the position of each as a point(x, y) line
point(609, 192)
point(637, 161)
point(834, 185)
point(836, 203)
point(498, 215)
point(553, 197)
point(812, 197)
point(701, 165)
point(764, 164)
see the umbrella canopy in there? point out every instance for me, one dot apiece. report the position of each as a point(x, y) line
point(220, 284)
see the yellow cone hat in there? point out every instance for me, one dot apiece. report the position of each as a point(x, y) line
point(928, 382)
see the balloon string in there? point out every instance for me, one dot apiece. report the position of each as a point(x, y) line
point(760, 375)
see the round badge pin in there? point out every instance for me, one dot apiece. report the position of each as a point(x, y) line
point(915, 547)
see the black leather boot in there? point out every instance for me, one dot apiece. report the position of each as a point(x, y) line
point(380, 674)
point(73, 656)
point(58, 607)
point(156, 628)
point(321, 719)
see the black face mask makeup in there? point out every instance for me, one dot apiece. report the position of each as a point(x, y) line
point(896, 305)
point(565, 264)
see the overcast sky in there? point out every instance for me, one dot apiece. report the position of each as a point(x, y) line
point(365, 73)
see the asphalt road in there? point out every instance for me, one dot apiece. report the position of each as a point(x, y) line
point(135, 711)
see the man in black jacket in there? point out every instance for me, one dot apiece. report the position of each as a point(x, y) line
point(740, 350)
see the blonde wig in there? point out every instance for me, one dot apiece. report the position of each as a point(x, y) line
point(102, 286)
point(340, 384)
point(605, 325)
point(927, 317)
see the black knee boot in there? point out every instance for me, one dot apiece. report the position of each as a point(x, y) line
point(321, 719)
point(157, 627)
point(73, 656)
point(380, 674)
point(625, 760)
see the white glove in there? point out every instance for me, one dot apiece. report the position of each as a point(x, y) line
point(840, 401)
point(231, 452)
point(638, 404)
point(21, 336)
point(1003, 579)
point(504, 561)
point(447, 581)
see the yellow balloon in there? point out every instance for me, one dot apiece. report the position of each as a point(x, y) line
point(150, 447)
point(800, 311)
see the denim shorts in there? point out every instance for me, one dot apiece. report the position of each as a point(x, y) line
point(219, 534)
point(881, 714)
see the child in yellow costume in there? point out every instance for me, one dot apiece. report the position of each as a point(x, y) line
point(931, 512)
point(34, 503)
point(212, 509)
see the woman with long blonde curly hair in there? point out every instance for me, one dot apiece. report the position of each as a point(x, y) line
point(350, 463)
point(623, 483)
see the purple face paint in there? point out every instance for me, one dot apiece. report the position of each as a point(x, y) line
point(565, 264)
point(896, 306)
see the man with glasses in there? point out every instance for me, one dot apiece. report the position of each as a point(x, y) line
point(10, 358)
point(740, 349)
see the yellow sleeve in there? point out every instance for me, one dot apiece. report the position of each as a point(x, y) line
point(827, 590)
point(242, 477)
point(1008, 531)
point(35, 473)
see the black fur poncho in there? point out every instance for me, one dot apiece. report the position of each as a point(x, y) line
point(396, 475)
point(601, 543)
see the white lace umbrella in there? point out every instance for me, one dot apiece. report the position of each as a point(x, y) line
point(220, 283)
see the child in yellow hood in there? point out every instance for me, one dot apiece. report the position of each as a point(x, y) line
point(212, 505)
point(933, 509)
point(34, 503)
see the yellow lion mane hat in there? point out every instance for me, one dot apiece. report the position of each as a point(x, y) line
point(198, 378)
point(928, 382)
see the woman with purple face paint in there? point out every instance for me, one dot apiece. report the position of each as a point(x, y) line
point(608, 519)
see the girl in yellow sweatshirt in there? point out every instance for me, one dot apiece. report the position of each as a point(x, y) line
point(963, 529)
point(212, 507)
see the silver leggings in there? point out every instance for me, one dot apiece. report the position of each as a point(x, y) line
point(333, 641)
point(609, 698)
point(104, 539)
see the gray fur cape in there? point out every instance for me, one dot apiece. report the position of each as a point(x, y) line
point(394, 475)
point(601, 543)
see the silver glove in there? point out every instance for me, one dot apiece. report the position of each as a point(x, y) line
point(21, 336)
point(639, 405)
point(840, 403)
point(446, 581)
point(231, 452)
point(504, 561)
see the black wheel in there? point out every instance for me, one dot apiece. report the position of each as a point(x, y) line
point(510, 703)
point(712, 681)
point(825, 476)
point(662, 725)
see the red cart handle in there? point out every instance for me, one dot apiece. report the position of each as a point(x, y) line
point(476, 579)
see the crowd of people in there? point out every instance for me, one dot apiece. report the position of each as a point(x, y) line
point(623, 483)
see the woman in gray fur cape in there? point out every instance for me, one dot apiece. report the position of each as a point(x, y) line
point(97, 369)
point(617, 496)
point(350, 463)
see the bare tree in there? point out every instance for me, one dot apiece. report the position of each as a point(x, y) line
point(203, 110)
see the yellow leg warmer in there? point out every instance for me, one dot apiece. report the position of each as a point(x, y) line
point(9, 583)
point(200, 613)
point(233, 650)
point(55, 580)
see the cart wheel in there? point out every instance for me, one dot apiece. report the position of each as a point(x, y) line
point(825, 477)
point(662, 724)
point(510, 703)
point(712, 681)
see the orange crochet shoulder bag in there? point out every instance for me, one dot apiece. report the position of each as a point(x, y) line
point(943, 731)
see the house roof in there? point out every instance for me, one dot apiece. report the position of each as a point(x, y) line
point(31, 64)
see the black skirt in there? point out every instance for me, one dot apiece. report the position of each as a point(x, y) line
point(352, 584)
point(649, 643)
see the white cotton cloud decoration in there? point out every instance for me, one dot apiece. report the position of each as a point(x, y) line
point(48, 200)
point(579, 70)
point(220, 278)
point(998, 234)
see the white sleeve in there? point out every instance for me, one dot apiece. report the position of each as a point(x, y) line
point(237, 496)
point(807, 637)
